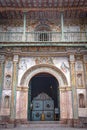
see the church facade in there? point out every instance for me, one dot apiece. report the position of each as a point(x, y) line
point(43, 65)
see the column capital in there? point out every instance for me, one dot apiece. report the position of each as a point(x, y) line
point(15, 58)
point(71, 58)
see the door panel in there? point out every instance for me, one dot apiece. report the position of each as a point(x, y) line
point(36, 115)
point(49, 115)
point(43, 108)
point(37, 105)
point(48, 105)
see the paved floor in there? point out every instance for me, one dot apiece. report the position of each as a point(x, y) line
point(43, 128)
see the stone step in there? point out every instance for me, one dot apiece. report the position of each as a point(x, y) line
point(43, 124)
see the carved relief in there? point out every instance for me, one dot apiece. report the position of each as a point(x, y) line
point(23, 64)
point(79, 66)
point(44, 60)
point(42, 49)
point(79, 80)
point(9, 65)
point(64, 67)
point(72, 58)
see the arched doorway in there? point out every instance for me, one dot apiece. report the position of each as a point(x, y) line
point(26, 79)
point(43, 98)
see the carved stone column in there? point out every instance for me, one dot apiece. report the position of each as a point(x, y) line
point(2, 58)
point(14, 86)
point(73, 84)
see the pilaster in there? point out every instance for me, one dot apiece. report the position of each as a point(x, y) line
point(85, 74)
point(62, 27)
point(24, 27)
point(73, 84)
point(2, 58)
point(14, 86)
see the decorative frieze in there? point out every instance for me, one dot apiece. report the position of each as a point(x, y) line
point(44, 60)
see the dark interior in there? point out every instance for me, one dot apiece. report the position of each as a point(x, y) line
point(45, 83)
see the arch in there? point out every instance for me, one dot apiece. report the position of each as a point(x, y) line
point(43, 68)
point(42, 32)
point(42, 27)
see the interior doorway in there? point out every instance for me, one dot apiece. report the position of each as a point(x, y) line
point(43, 98)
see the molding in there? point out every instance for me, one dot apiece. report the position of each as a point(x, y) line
point(25, 89)
point(31, 44)
point(65, 89)
point(43, 68)
point(24, 9)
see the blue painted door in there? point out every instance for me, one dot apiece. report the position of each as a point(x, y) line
point(43, 108)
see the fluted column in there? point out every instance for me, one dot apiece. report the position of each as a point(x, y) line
point(2, 58)
point(14, 86)
point(73, 84)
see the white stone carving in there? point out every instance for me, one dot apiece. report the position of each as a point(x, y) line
point(79, 66)
point(15, 59)
point(72, 58)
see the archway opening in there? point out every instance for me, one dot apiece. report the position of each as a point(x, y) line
point(43, 98)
